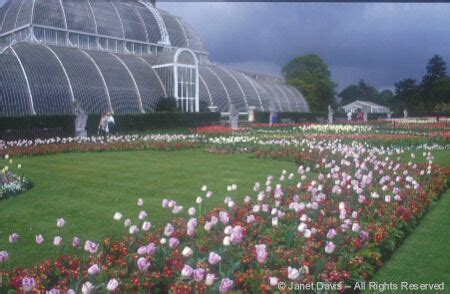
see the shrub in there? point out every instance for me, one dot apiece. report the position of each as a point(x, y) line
point(168, 104)
point(31, 127)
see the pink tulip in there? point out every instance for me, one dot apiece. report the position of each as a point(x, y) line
point(151, 248)
point(13, 238)
point(4, 256)
point(57, 240)
point(293, 273)
point(168, 230)
point(76, 242)
point(143, 264)
point(237, 234)
point(329, 248)
point(91, 247)
point(214, 258)
point(187, 271)
point(331, 234)
point(60, 222)
point(94, 270)
point(28, 284)
point(142, 250)
point(173, 243)
point(39, 239)
point(261, 253)
point(198, 274)
point(112, 285)
point(223, 216)
point(226, 285)
point(146, 226)
point(142, 215)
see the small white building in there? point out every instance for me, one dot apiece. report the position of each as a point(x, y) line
point(365, 106)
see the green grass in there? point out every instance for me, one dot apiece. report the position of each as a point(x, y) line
point(424, 257)
point(87, 189)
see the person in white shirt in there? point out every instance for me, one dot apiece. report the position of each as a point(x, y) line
point(111, 123)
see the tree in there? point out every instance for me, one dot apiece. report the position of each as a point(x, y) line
point(407, 96)
point(362, 91)
point(351, 94)
point(369, 93)
point(385, 98)
point(310, 75)
point(440, 94)
point(436, 69)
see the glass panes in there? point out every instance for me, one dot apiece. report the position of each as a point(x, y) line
point(92, 42)
point(39, 34)
point(50, 36)
point(103, 43)
point(84, 41)
point(48, 83)
point(87, 84)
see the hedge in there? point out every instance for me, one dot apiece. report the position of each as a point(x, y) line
point(64, 125)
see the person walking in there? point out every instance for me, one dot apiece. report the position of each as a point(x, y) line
point(111, 124)
point(103, 125)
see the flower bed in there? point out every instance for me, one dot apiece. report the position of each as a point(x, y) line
point(334, 220)
point(91, 144)
point(12, 184)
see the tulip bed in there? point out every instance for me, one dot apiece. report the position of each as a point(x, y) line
point(334, 218)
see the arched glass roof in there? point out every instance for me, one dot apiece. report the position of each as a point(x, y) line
point(220, 86)
point(129, 20)
point(44, 80)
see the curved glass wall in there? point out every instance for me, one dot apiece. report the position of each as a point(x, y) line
point(48, 84)
point(16, 100)
point(122, 91)
point(84, 78)
point(148, 82)
point(49, 13)
point(120, 56)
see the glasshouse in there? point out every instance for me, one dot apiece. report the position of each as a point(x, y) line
point(120, 57)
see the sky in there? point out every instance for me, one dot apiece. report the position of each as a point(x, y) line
point(381, 43)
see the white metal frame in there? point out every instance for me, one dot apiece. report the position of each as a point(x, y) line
point(26, 79)
point(207, 90)
point(239, 86)
point(141, 107)
point(221, 82)
point(176, 65)
point(103, 79)
point(64, 70)
point(165, 39)
point(256, 90)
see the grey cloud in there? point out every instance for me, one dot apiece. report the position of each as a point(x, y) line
point(380, 42)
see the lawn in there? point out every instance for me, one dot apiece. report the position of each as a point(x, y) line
point(87, 189)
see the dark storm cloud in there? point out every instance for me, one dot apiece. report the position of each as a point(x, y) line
point(381, 43)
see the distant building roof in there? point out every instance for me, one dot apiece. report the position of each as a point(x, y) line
point(366, 106)
point(364, 103)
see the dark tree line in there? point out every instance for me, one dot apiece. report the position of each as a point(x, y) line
point(431, 95)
